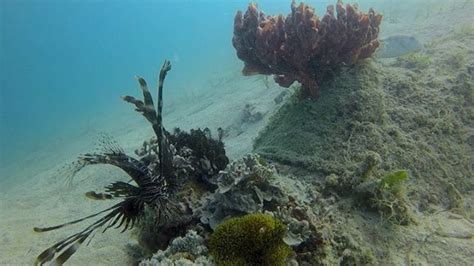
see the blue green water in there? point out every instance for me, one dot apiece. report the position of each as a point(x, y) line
point(64, 62)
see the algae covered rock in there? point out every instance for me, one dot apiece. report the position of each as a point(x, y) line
point(314, 135)
point(374, 119)
point(415, 61)
point(254, 239)
point(398, 45)
point(387, 195)
point(391, 199)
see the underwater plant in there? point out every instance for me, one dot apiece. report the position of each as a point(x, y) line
point(253, 239)
point(393, 180)
point(155, 174)
point(391, 201)
point(301, 47)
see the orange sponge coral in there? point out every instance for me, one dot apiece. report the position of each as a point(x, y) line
point(301, 47)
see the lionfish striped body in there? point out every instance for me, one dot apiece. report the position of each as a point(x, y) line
point(152, 187)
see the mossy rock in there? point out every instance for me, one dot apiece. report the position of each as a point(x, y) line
point(414, 61)
point(254, 239)
point(413, 122)
point(313, 134)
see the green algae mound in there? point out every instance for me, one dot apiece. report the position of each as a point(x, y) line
point(253, 239)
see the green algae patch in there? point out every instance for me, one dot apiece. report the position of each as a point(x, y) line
point(254, 239)
point(391, 180)
point(391, 201)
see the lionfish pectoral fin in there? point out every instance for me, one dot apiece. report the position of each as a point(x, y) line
point(61, 259)
point(49, 253)
point(127, 223)
point(72, 243)
point(45, 256)
point(108, 145)
point(90, 240)
point(45, 229)
point(112, 223)
point(121, 222)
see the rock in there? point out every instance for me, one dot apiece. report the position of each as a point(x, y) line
point(398, 45)
point(252, 113)
point(280, 97)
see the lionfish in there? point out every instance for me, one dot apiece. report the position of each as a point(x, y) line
point(153, 185)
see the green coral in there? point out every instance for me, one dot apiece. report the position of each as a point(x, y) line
point(253, 239)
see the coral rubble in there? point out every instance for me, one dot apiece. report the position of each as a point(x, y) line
point(302, 47)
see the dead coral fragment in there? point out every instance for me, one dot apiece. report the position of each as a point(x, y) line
point(254, 239)
point(301, 47)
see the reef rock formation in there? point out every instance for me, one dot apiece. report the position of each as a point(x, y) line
point(301, 47)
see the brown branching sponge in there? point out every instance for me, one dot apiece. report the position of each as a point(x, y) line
point(301, 47)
